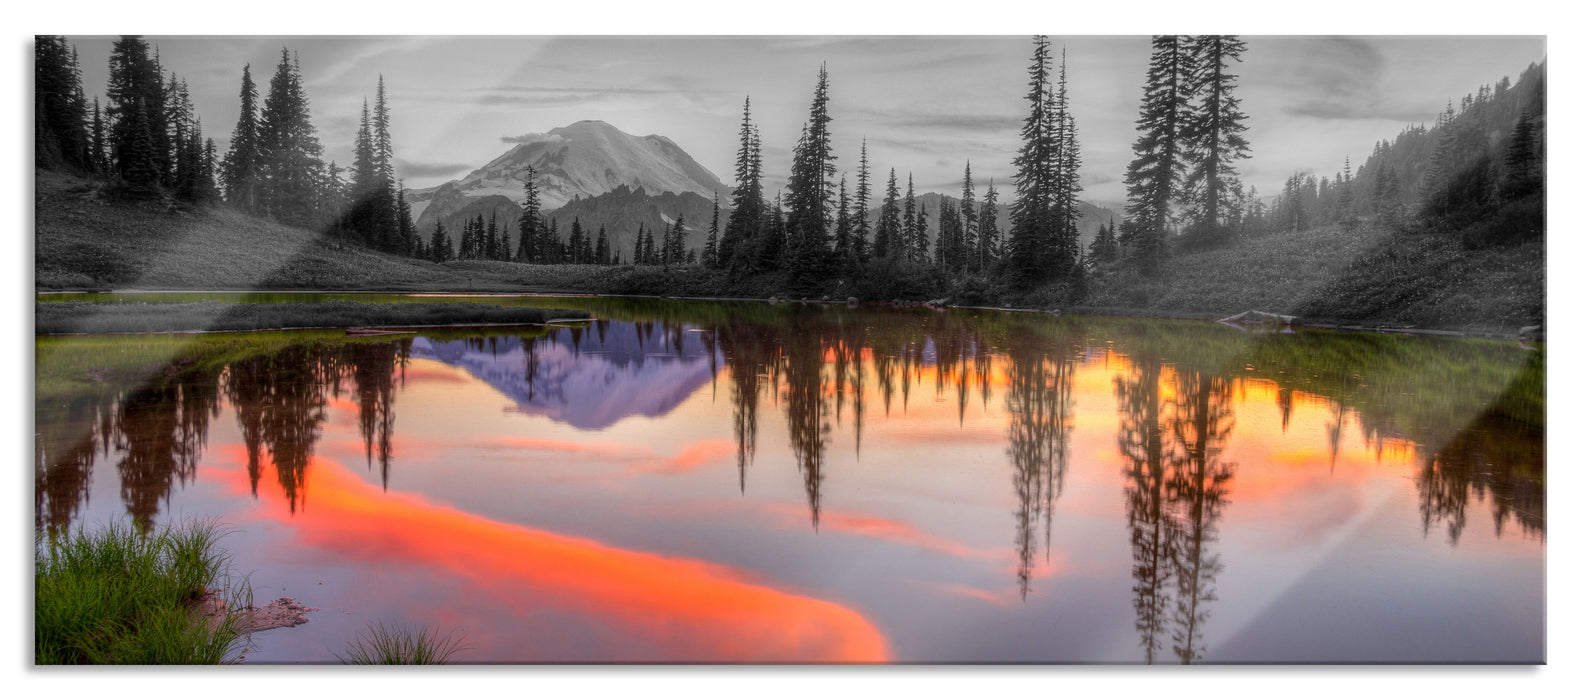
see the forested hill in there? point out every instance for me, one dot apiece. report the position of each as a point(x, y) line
point(1469, 139)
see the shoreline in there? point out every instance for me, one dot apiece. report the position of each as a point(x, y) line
point(1344, 325)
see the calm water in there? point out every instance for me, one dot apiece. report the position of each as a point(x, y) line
point(744, 482)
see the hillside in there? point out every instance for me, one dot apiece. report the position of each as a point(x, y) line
point(1330, 274)
point(84, 240)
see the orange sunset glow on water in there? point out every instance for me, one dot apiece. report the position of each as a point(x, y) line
point(825, 489)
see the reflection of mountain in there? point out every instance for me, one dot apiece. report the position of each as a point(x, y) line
point(585, 378)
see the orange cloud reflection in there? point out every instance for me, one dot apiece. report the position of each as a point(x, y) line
point(683, 609)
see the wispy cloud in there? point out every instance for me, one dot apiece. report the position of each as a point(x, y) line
point(409, 168)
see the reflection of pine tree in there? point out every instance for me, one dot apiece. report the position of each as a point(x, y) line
point(1039, 401)
point(1495, 459)
point(1142, 445)
point(63, 454)
point(161, 429)
point(1200, 420)
point(806, 412)
point(744, 351)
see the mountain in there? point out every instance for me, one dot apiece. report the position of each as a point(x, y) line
point(621, 210)
point(582, 160)
point(588, 378)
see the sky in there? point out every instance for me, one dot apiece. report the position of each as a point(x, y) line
point(926, 105)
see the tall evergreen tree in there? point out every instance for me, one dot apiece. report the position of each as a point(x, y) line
point(810, 189)
point(969, 260)
point(61, 137)
point(1213, 133)
point(439, 244)
point(989, 228)
point(239, 172)
point(1031, 218)
point(907, 242)
point(136, 99)
point(860, 240)
point(1065, 182)
point(1154, 177)
point(529, 234)
point(290, 148)
point(843, 245)
point(743, 229)
point(601, 250)
point(887, 235)
point(711, 247)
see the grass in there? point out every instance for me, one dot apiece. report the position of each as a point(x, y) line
point(381, 645)
point(140, 317)
point(1338, 275)
point(124, 597)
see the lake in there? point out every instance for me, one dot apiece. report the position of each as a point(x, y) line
point(744, 482)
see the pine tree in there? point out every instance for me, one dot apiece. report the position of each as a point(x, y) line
point(887, 236)
point(439, 244)
point(136, 98)
point(711, 247)
point(989, 228)
point(743, 230)
point(601, 250)
point(99, 153)
point(529, 234)
point(410, 242)
point(1523, 167)
point(1031, 218)
point(383, 205)
point(843, 244)
point(290, 149)
point(675, 241)
point(61, 137)
point(969, 260)
point(139, 170)
point(239, 172)
point(907, 241)
point(810, 189)
point(1061, 256)
point(919, 235)
point(1154, 177)
point(1213, 133)
point(859, 232)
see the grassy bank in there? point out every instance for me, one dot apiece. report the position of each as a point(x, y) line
point(122, 597)
point(97, 317)
point(1358, 275)
point(1333, 274)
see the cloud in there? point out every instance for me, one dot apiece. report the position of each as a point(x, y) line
point(953, 122)
point(533, 138)
point(417, 169)
point(1341, 78)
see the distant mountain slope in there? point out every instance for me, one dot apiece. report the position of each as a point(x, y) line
point(621, 210)
point(585, 159)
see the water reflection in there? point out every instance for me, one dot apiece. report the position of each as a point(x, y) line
point(1039, 401)
point(1032, 388)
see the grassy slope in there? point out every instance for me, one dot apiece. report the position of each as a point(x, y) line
point(84, 240)
point(1331, 274)
point(110, 317)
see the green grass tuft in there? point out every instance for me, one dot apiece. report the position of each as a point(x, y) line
point(381, 645)
point(119, 596)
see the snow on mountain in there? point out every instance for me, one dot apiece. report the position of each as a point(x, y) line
point(584, 159)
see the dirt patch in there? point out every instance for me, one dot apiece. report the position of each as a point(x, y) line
point(280, 612)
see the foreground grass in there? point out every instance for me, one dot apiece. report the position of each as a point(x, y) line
point(124, 597)
point(381, 645)
point(96, 317)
